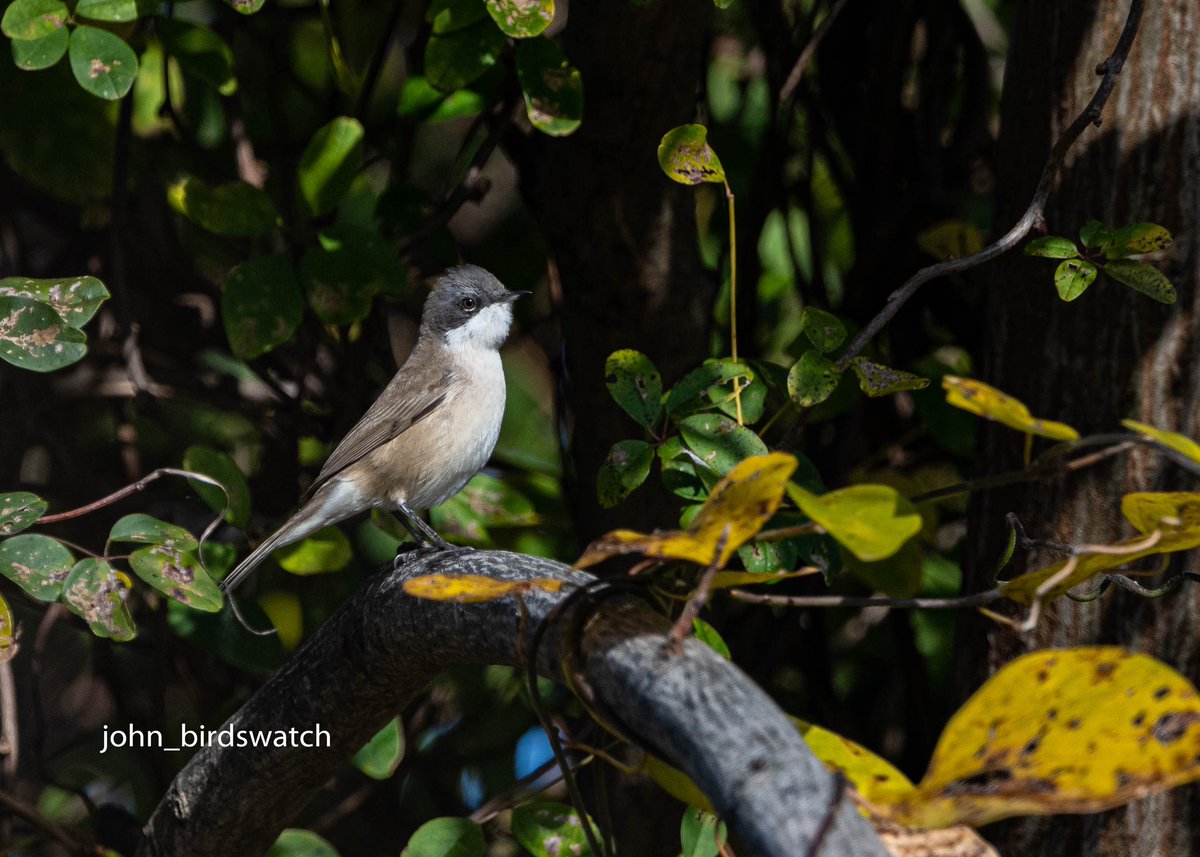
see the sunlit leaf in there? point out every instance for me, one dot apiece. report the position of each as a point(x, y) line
point(295, 842)
point(1073, 730)
point(221, 467)
point(102, 63)
point(950, 239)
point(324, 551)
point(447, 837)
point(812, 379)
point(201, 54)
point(8, 631)
point(875, 379)
point(548, 829)
point(823, 329)
point(1167, 511)
point(19, 510)
point(26, 20)
point(1185, 446)
point(176, 572)
point(873, 777)
point(701, 834)
point(286, 613)
point(474, 588)
point(711, 637)
point(1137, 238)
point(245, 7)
point(37, 54)
point(261, 305)
point(553, 88)
point(737, 508)
point(380, 756)
point(871, 521)
point(145, 529)
point(719, 441)
point(95, 592)
point(686, 157)
point(1052, 247)
point(455, 59)
point(331, 160)
point(419, 100)
point(521, 19)
point(37, 564)
point(635, 385)
point(988, 402)
point(689, 393)
point(625, 468)
point(33, 336)
point(1072, 277)
point(75, 299)
point(1143, 278)
point(113, 10)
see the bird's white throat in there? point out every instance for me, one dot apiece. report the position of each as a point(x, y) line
point(487, 330)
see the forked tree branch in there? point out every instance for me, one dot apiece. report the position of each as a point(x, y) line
point(694, 710)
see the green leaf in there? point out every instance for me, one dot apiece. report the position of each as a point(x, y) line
point(26, 20)
point(19, 510)
point(221, 467)
point(294, 842)
point(876, 379)
point(146, 530)
point(1143, 278)
point(635, 385)
point(823, 329)
point(1052, 247)
point(626, 468)
point(871, 521)
point(8, 629)
point(245, 7)
point(102, 63)
point(521, 19)
point(113, 10)
point(1072, 277)
point(452, 60)
point(75, 299)
point(95, 592)
point(1094, 234)
point(344, 271)
point(261, 305)
point(719, 441)
point(324, 551)
point(709, 636)
point(176, 572)
point(447, 837)
point(686, 157)
point(553, 88)
point(331, 160)
point(1137, 238)
point(446, 16)
point(752, 390)
point(36, 54)
point(37, 564)
point(548, 829)
point(688, 394)
point(701, 834)
point(419, 100)
point(812, 379)
point(33, 336)
point(201, 53)
point(380, 757)
point(236, 209)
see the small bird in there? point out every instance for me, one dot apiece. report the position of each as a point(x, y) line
point(431, 429)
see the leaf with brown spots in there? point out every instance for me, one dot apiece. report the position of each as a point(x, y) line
point(95, 592)
point(19, 510)
point(177, 573)
point(37, 564)
point(1061, 731)
point(988, 402)
point(686, 157)
point(473, 588)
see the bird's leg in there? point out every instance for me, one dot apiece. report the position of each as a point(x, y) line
point(421, 532)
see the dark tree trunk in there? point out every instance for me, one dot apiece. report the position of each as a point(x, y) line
point(622, 235)
point(1112, 354)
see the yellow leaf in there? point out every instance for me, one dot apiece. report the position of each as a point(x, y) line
point(287, 617)
point(1185, 446)
point(474, 588)
point(1178, 510)
point(989, 403)
point(873, 777)
point(736, 509)
point(950, 239)
point(871, 521)
point(730, 579)
point(674, 782)
point(1073, 730)
point(8, 631)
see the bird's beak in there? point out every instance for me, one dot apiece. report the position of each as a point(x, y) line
point(512, 296)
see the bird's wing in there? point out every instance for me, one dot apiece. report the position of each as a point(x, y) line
point(405, 402)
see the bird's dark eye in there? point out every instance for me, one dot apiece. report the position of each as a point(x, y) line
point(468, 304)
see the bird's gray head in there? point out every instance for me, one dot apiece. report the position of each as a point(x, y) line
point(469, 308)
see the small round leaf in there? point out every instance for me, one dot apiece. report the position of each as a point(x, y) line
point(812, 379)
point(634, 382)
point(26, 20)
point(521, 19)
point(36, 54)
point(329, 164)
point(102, 63)
point(236, 209)
point(553, 88)
point(144, 529)
point(295, 842)
point(33, 336)
point(719, 441)
point(823, 329)
point(261, 306)
point(686, 157)
point(452, 60)
point(1072, 277)
point(75, 299)
point(19, 510)
point(626, 468)
point(446, 837)
point(177, 573)
point(37, 564)
point(326, 550)
point(1052, 247)
point(380, 757)
point(548, 829)
point(95, 592)
point(222, 468)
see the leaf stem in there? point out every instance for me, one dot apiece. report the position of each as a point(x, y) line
point(737, 385)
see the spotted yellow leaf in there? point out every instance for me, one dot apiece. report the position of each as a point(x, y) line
point(1185, 446)
point(988, 402)
point(474, 588)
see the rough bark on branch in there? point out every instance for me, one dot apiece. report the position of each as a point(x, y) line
point(695, 710)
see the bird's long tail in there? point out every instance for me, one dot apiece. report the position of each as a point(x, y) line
point(335, 501)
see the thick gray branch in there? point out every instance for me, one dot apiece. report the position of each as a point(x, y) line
point(693, 709)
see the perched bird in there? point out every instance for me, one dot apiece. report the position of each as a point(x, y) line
point(431, 429)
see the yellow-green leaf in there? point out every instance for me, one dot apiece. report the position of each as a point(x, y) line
point(286, 615)
point(474, 588)
point(1074, 730)
point(870, 521)
point(738, 507)
point(686, 157)
point(950, 239)
point(1166, 511)
point(325, 550)
point(1185, 446)
point(876, 380)
point(988, 402)
point(873, 777)
point(8, 631)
